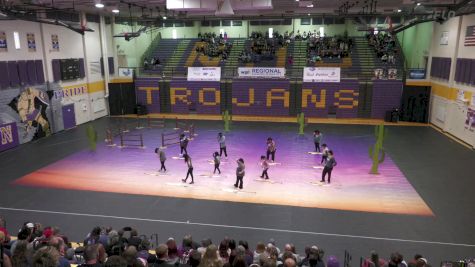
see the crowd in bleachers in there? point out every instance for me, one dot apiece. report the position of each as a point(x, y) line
point(384, 44)
point(214, 45)
point(262, 48)
point(39, 246)
point(150, 64)
point(319, 47)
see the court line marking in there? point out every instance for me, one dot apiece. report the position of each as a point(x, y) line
point(242, 227)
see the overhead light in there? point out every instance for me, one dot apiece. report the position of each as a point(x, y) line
point(308, 14)
point(311, 5)
point(418, 4)
point(98, 3)
point(297, 0)
point(399, 11)
point(115, 10)
point(164, 17)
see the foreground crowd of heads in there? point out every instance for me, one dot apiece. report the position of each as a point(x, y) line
point(39, 246)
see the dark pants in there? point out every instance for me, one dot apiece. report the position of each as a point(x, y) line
point(324, 159)
point(183, 148)
point(239, 181)
point(271, 153)
point(317, 147)
point(264, 173)
point(324, 173)
point(189, 173)
point(162, 167)
point(221, 149)
point(216, 168)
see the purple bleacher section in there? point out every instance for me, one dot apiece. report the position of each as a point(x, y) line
point(386, 96)
point(440, 67)
point(319, 98)
point(266, 97)
point(204, 96)
point(148, 86)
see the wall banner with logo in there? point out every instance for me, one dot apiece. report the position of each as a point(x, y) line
point(311, 74)
point(204, 74)
point(261, 72)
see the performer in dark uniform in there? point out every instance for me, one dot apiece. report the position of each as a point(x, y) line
point(324, 154)
point(217, 162)
point(271, 148)
point(317, 139)
point(329, 165)
point(265, 166)
point(161, 154)
point(183, 144)
point(222, 145)
point(190, 169)
point(240, 172)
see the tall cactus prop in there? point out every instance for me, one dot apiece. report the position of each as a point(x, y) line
point(227, 120)
point(376, 152)
point(301, 122)
point(92, 137)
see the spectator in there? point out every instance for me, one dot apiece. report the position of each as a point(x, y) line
point(260, 250)
point(58, 243)
point(19, 256)
point(172, 249)
point(91, 256)
point(333, 262)
point(290, 262)
point(210, 258)
point(195, 258)
point(204, 244)
point(374, 260)
point(115, 261)
point(130, 255)
point(46, 256)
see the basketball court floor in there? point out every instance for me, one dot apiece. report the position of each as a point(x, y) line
point(422, 201)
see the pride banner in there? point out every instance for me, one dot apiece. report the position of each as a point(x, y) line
point(8, 136)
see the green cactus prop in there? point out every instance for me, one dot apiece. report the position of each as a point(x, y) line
point(301, 122)
point(376, 152)
point(227, 120)
point(92, 137)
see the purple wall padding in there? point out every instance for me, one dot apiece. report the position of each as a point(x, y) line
point(22, 71)
point(56, 66)
point(31, 70)
point(111, 65)
point(467, 71)
point(317, 98)
point(147, 92)
point(386, 96)
point(4, 81)
point(440, 67)
point(271, 97)
point(13, 73)
point(458, 70)
point(82, 72)
point(472, 76)
point(40, 75)
point(204, 96)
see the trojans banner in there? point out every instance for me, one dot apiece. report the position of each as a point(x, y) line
point(329, 75)
point(261, 72)
point(204, 74)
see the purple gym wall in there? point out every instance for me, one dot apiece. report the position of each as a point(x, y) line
point(147, 92)
point(260, 97)
point(386, 96)
point(317, 98)
point(205, 96)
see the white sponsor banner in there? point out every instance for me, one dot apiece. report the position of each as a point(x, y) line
point(331, 75)
point(126, 72)
point(262, 72)
point(204, 74)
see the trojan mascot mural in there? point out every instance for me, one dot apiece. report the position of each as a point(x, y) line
point(31, 106)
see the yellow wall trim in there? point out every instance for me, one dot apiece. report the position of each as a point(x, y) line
point(442, 90)
point(122, 80)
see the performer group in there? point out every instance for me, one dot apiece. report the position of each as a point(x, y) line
point(328, 160)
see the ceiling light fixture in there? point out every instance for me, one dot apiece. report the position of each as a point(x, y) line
point(99, 5)
point(399, 11)
point(418, 4)
point(115, 10)
point(164, 17)
point(311, 5)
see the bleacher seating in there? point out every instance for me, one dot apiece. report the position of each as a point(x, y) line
point(178, 54)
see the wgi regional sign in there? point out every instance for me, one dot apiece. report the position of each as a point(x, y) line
point(262, 72)
point(321, 75)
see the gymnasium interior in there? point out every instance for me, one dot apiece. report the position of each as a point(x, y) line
point(108, 106)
